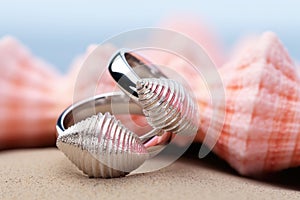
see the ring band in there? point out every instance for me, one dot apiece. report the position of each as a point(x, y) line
point(100, 103)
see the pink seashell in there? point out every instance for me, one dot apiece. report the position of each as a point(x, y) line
point(261, 132)
point(33, 94)
point(30, 91)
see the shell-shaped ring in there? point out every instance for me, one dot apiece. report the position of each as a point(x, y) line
point(167, 105)
point(99, 144)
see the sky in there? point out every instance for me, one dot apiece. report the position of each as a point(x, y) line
point(57, 31)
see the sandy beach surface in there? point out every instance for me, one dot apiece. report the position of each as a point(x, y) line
point(47, 174)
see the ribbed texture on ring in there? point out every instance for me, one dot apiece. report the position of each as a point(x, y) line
point(168, 106)
point(101, 146)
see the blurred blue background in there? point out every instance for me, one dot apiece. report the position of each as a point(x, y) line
point(57, 30)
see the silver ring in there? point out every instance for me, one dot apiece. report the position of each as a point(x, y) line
point(99, 144)
point(103, 158)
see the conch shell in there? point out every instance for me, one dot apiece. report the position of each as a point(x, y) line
point(30, 90)
point(261, 132)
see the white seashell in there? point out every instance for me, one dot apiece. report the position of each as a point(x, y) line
point(167, 105)
point(101, 146)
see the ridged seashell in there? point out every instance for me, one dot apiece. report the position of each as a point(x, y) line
point(167, 105)
point(29, 93)
point(101, 146)
point(261, 132)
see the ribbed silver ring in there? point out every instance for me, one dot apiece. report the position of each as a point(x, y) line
point(96, 142)
point(167, 104)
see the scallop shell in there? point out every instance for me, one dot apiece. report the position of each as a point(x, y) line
point(101, 146)
point(29, 93)
point(167, 105)
point(261, 132)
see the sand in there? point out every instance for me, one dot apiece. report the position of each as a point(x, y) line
point(48, 174)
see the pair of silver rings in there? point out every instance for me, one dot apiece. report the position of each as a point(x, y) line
point(92, 137)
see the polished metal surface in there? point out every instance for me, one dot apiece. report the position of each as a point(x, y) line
point(126, 68)
point(116, 101)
